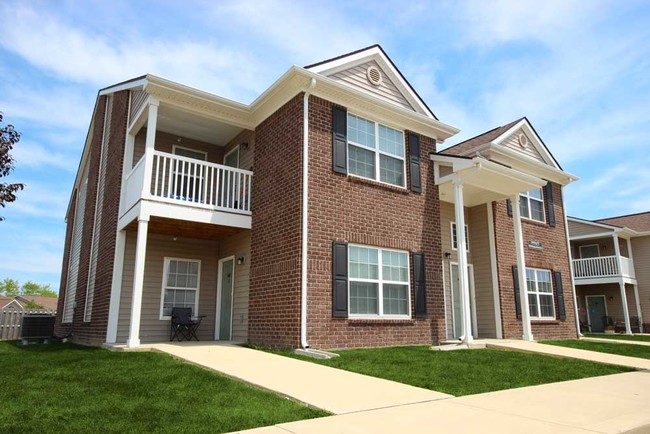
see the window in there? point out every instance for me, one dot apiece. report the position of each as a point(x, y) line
point(379, 282)
point(531, 205)
point(454, 237)
point(589, 251)
point(540, 294)
point(180, 285)
point(375, 151)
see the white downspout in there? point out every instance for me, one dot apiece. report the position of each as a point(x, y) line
point(305, 212)
point(571, 271)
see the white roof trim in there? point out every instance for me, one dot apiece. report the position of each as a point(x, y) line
point(536, 142)
point(550, 171)
point(137, 84)
point(375, 53)
point(591, 223)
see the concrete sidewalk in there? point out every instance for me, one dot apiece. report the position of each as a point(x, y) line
point(609, 404)
point(615, 341)
point(330, 389)
point(554, 350)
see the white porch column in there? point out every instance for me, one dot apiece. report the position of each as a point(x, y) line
point(150, 143)
point(636, 287)
point(138, 282)
point(621, 283)
point(521, 266)
point(463, 276)
point(116, 287)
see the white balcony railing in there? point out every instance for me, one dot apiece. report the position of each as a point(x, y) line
point(197, 183)
point(603, 266)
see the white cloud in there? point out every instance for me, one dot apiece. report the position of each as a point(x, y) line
point(39, 199)
point(31, 250)
point(34, 155)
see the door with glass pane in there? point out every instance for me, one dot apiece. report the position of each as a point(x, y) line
point(225, 291)
point(456, 301)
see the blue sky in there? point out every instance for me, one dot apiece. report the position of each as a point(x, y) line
point(580, 71)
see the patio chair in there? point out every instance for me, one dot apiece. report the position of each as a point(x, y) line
point(182, 324)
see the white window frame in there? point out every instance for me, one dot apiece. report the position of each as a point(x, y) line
point(232, 151)
point(589, 245)
point(376, 151)
point(453, 230)
point(198, 151)
point(525, 196)
point(537, 293)
point(168, 259)
point(380, 284)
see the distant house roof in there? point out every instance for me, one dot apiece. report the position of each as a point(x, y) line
point(49, 303)
point(4, 301)
point(639, 222)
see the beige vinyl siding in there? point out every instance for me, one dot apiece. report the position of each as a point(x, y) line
point(138, 99)
point(165, 143)
point(356, 77)
point(239, 245)
point(641, 256)
point(512, 142)
point(577, 229)
point(484, 294)
point(605, 246)
point(245, 153)
point(612, 293)
point(152, 328)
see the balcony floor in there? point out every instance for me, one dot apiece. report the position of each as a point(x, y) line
point(186, 229)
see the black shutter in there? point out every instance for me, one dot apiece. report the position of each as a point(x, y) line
point(414, 165)
point(548, 192)
point(515, 281)
point(339, 140)
point(561, 309)
point(339, 279)
point(420, 285)
point(509, 206)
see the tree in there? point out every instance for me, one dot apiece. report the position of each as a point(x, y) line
point(11, 288)
point(8, 138)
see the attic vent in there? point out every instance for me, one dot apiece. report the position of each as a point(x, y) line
point(374, 75)
point(523, 140)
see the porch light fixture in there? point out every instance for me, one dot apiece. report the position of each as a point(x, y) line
point(240, 260)
point(244, 145)
point(447, 255)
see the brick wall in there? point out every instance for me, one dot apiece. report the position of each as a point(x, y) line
point(274, 309)
point(554, 256)
point(350, 209)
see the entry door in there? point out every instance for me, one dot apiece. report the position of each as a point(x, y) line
point(596, 310)
point(224, 298)
point(456, 301)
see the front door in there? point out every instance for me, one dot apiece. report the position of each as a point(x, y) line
point(456, 301)
point(596, 310)
point(224, 298)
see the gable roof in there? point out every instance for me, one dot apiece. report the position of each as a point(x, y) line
point(377, 53)
point(481, 139)
point(639, 222)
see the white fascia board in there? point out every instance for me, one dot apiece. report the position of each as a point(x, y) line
point(592, 223)
point(534, 166)
point(590, 236)
point(138, 84)
point(536, 142)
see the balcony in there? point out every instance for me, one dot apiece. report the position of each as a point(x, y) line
point(601, 268)
point(191, 184)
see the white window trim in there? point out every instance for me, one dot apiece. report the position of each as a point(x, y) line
point(233, 150)
point(526, 197)
point(380, 285)
point(588, 245)
point(198, 151)
point(164, 285)
point(377, 152)
point(452, 226)
point(536, 293)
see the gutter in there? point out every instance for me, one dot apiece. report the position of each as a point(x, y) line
point(305, 212)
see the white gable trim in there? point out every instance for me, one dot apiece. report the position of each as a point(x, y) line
point(376, 54)
point(536, 141)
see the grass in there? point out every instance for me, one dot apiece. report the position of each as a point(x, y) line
point(640, 351)
point(463, 372)
point(68, 388)
point(638, 338)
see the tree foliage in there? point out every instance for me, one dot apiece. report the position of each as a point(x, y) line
point(8, 138)
point(11, 288)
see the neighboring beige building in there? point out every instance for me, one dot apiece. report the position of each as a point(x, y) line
point(610, 259)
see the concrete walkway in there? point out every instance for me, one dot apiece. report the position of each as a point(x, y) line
point(616, 341)
point(330, 389)
point(554, 350)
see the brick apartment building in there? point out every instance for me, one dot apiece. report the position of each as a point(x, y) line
point(321, 215)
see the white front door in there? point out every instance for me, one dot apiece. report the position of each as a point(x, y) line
point(225, 289)
point(456, 301)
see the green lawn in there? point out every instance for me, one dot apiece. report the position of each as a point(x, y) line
point(638, 338)
point(640, 351)
point(463, 372)
point(69, 388)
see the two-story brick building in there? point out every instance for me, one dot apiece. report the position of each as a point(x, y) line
point(320, 215)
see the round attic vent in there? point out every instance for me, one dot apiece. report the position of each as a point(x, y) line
point(523, 140)
point(374, 75)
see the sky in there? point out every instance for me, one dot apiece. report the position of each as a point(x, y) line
point(579, 70)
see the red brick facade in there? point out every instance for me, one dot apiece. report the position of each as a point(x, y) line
point(554, 256)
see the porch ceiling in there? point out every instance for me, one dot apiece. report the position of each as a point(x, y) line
point(186, 229)
point(174, 120)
